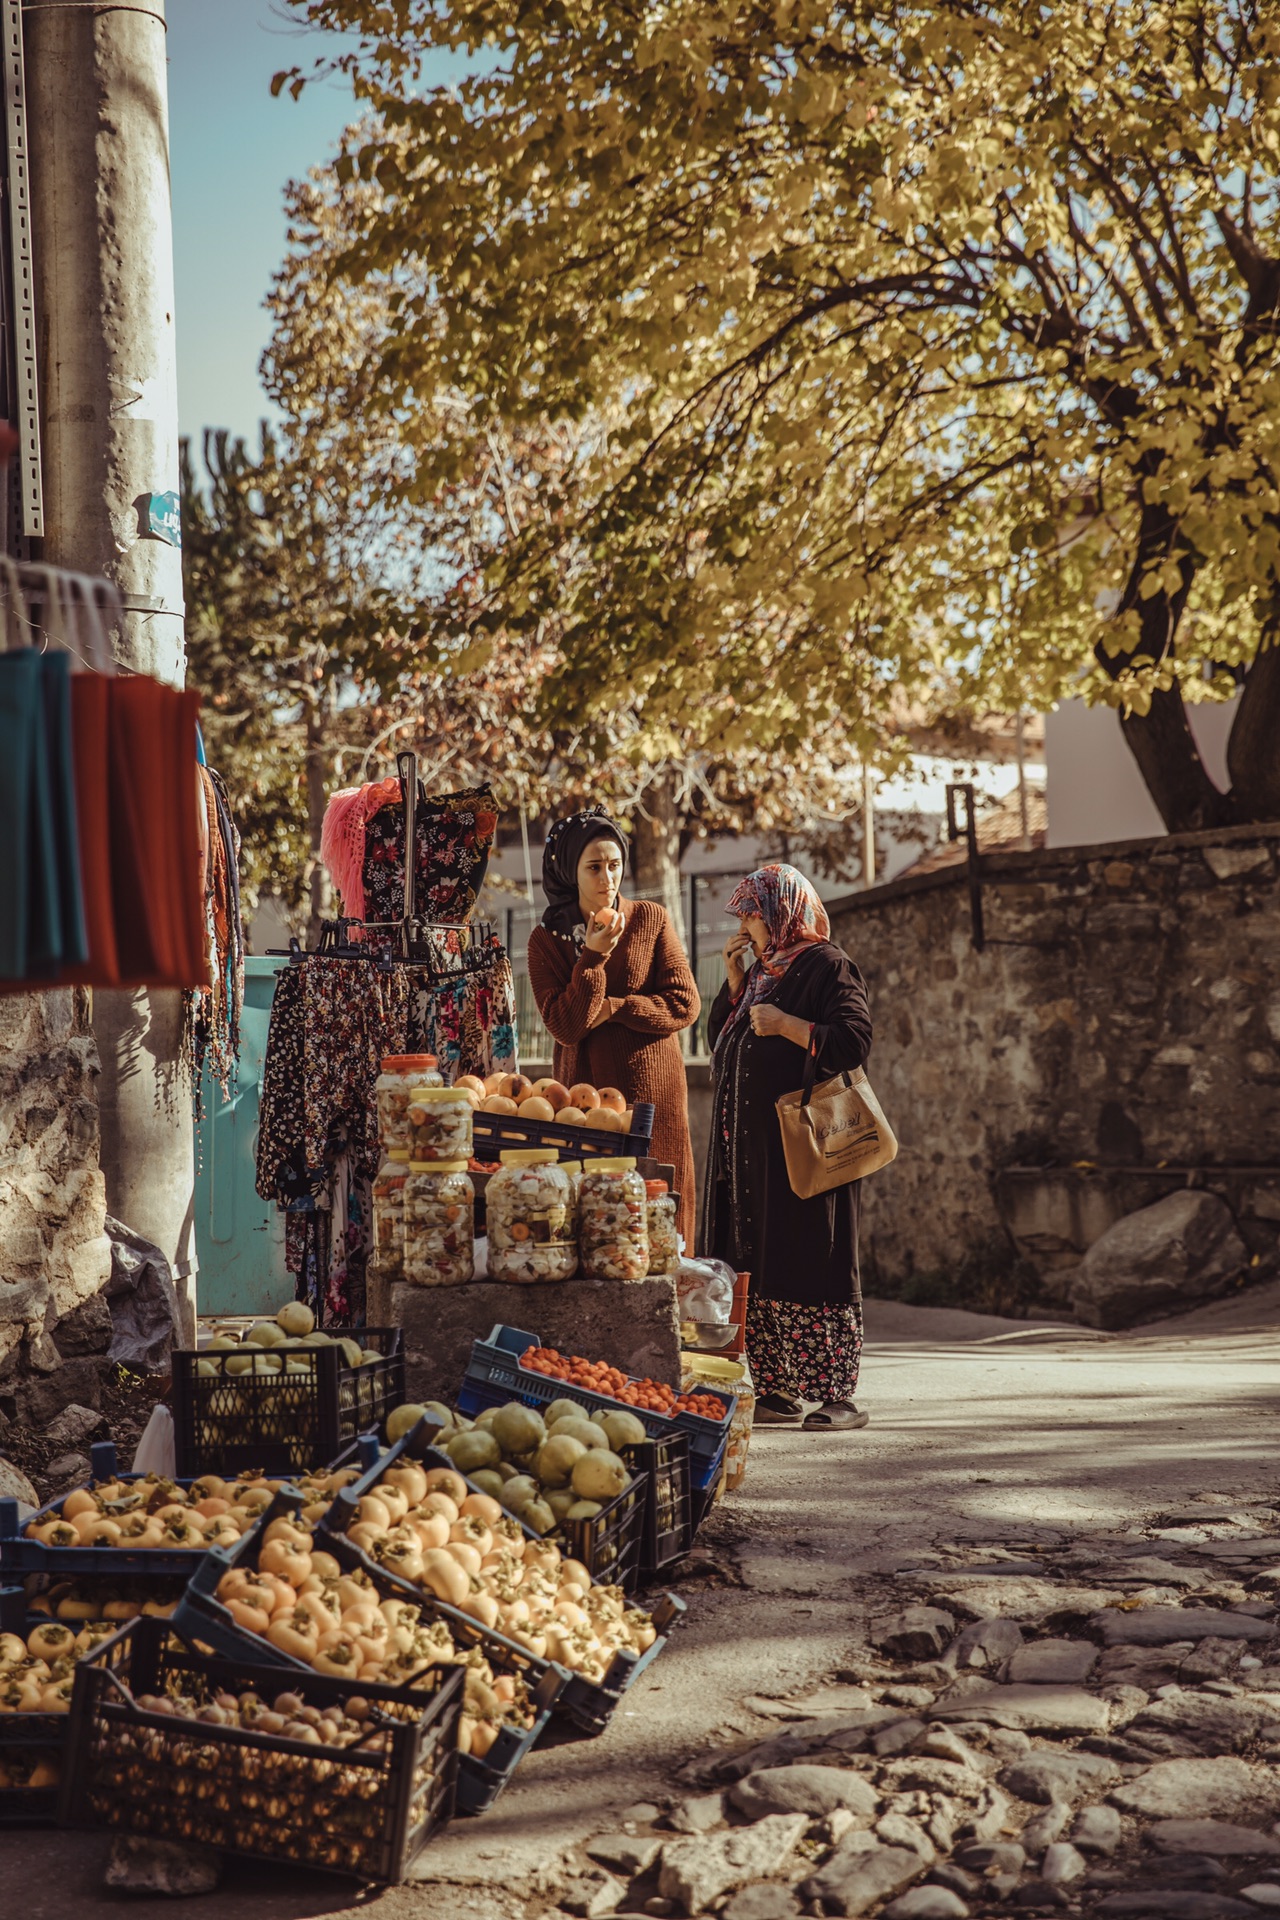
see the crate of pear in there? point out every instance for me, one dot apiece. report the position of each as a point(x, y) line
point(559, 1470)
point(286, 1395)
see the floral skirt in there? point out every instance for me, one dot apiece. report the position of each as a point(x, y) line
point(810, 1352)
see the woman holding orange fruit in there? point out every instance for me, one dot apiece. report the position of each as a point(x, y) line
point(614, 990)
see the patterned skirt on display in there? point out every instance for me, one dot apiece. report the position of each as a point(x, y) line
point(810, 1352)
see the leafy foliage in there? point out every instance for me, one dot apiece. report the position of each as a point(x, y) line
point(907, 340)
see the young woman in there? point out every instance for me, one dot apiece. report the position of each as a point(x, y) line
point(804, 1311)
point(614, 988)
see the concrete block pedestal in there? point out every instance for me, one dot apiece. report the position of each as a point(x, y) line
point(632, 1326)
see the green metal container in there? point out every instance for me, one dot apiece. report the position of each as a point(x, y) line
point(239, 1238)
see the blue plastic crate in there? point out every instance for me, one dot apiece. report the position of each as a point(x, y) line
point(20, 1555)
point(494, 1375)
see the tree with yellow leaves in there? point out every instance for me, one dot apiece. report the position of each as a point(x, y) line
point(924, 338)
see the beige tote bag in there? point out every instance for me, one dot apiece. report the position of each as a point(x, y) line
point(833, 1133)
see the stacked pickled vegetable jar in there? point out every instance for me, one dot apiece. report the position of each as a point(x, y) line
point(527, 1206)
point(439, 1224)
point(401, 1076)
point(388, 1213)
point(439, 1124)
point(613, 1229)
point(660, 1212)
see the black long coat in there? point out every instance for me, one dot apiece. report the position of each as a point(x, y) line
point(799, 1250)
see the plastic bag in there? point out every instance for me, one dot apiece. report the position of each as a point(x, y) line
point(157, 1452)
point(704, 1289)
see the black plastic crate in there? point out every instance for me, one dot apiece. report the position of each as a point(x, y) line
point(348, 1810)
point(668, 1512)
point(497, 1132)
point(31, 1744)
point(277, 1422)
point(203, 1617)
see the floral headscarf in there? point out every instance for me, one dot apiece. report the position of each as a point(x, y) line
point(795, 918)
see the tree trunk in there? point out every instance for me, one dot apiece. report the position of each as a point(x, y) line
point(1253, 751)
point(317, 764)
point(655, 849)
point(1161, 739)
point(1168, 758)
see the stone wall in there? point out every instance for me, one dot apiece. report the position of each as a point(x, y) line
point(54, 1252)
point(1118, 1037)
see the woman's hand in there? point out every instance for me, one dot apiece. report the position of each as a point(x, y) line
point(767, 1020)
point(734, 947)
point(604, 930)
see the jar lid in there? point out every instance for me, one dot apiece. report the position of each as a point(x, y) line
point(611, 1166)
point(399, 1154)
point(407, 1062)
point(423, 1096)
point(528, 1157)
point(571, 1166)
point(654, 1189)
point(437, 1166)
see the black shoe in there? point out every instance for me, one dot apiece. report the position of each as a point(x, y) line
point(836, 1416)
point(778, 1410)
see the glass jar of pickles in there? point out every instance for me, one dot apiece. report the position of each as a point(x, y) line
point(440, 1123)
point(527, 1205)
point(660, 1217)
point(401, 1074)
point(574, 1170)
point(439, 1224)
point(613, 1230)
point(388, 1213)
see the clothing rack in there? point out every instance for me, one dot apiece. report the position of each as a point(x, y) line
point(51, 608)
point(404, 943)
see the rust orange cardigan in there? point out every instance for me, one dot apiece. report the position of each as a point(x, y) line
point(650, 995)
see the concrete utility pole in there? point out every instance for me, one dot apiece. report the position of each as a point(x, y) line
point(102, 231)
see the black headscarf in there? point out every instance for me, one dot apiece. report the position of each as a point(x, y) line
point(567, 841)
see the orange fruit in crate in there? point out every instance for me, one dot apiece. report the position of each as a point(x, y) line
point(534, 1107)
point(499, 1103)
point(611, 1098)
point(495, 1082)
point(583, 1096)
point(571, 1117)
point(555, 1094)
point(605, 1119)
point(472, 1082)
point(517, 1087)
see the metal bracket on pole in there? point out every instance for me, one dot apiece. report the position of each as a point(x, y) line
point(21, 288)
point(969, 828)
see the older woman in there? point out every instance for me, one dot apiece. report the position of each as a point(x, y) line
point(804, 1314)
point(614, 988)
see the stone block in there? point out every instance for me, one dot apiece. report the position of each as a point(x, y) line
point(1194, 1789)
point(1179, 1253)
point(86, 1330)
point(39, 1401)
point(631, 1326)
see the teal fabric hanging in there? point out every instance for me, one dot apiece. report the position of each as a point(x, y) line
point(20, 728)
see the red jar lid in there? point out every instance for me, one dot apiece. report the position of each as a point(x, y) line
point(654, 1189)
point(408, 1062)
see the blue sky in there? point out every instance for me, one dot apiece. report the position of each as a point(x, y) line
point(233, 149)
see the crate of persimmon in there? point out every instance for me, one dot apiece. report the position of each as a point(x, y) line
point(356, 1621)
point(300, 1767)
point(37, 1661)
point(286, 1398)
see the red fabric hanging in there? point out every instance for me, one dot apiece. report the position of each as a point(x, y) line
point(90, 703)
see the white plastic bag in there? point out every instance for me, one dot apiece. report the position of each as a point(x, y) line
point(157, 1452)
point(705, 1290)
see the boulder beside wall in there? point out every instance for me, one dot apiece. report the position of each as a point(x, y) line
point(1165, 1259)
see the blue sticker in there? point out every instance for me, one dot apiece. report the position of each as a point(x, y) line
point(164, 518)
